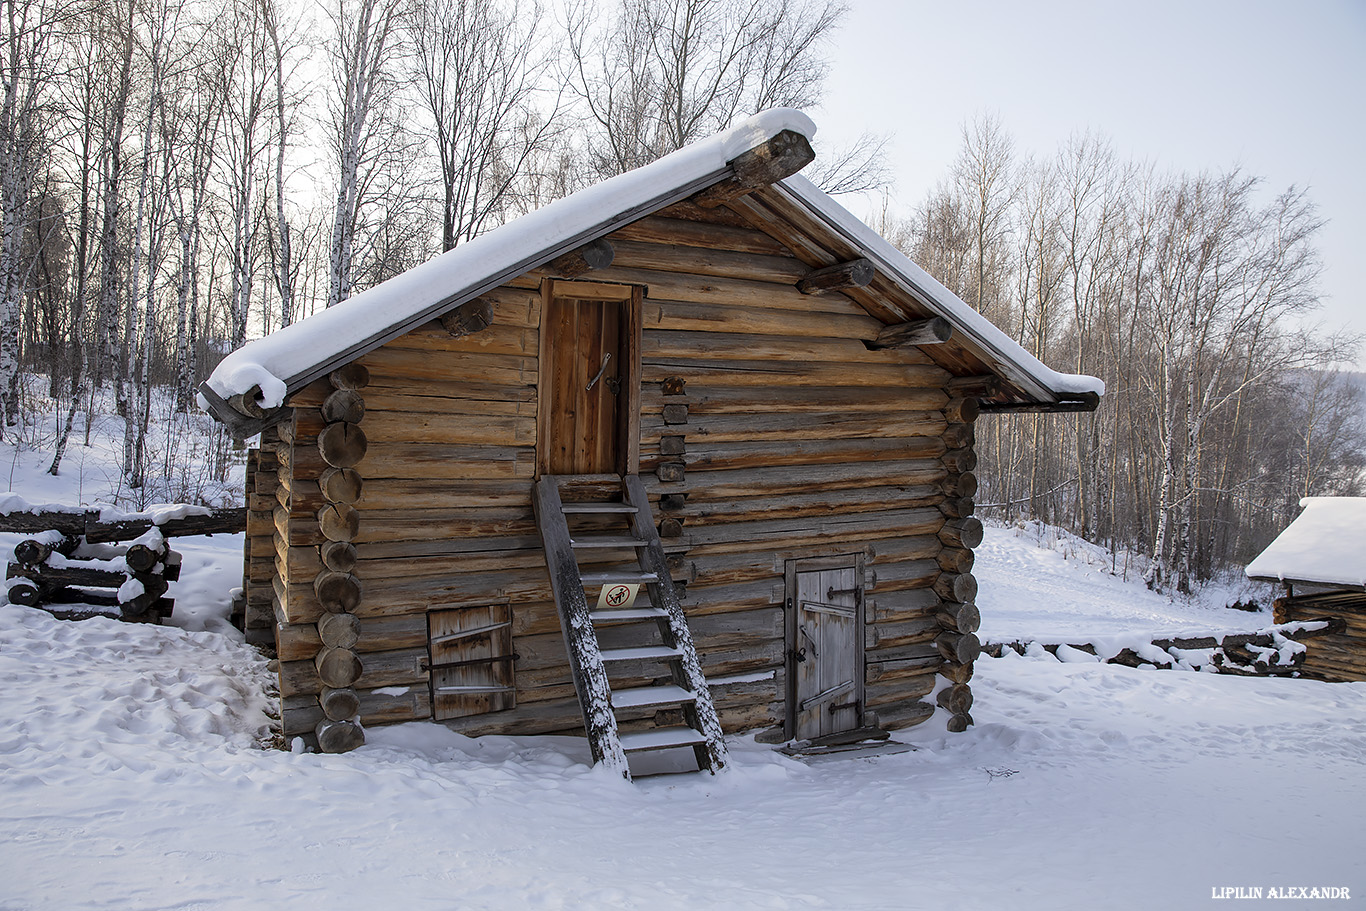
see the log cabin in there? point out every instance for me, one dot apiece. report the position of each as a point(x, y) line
point(689, 452)
point(1317, 562)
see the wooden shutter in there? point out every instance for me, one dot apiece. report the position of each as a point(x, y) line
point(471, 660)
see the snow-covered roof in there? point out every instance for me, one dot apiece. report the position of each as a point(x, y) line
point(1322, 546)
point(290, 358)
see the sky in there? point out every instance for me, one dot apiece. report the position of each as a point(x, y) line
point(1273, 88)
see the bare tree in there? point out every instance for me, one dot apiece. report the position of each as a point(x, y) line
point(365, 119)
point(481, 75)
point(662, 74)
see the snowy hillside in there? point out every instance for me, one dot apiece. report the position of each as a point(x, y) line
point(133, 776)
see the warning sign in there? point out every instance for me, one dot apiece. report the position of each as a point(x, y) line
point(618, 595)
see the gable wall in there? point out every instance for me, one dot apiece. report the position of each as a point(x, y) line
point(797, 442)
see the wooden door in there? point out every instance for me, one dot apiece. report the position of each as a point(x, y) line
point(825, 647)
point(590, 375)
point(470, 660)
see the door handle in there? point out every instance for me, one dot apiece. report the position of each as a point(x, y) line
point(601, 370)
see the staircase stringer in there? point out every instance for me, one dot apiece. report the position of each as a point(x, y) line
point(663, 596)
point(581, 642)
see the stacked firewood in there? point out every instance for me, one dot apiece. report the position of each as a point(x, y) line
point(75, 565)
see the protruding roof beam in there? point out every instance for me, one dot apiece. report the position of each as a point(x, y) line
point(597, 254)
point(933, 331)
point(782, 156)
point(469, 318)
point(854, 274)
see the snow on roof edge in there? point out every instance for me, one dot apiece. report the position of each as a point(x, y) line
point(1322, 545)
point(277, 361)
point(952, 307)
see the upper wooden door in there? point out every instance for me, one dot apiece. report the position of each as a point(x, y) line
point(590, 378)
point(825, 639)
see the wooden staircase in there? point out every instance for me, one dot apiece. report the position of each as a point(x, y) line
point(615, 521)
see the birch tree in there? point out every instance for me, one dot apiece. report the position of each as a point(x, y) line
point(363, 57)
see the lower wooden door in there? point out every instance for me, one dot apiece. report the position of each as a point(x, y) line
point(825, 646)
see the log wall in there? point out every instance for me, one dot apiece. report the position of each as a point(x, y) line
point(769, 432)
point(1339, 656)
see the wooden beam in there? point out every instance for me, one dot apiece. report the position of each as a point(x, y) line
point(1077, 401)
point(933, 331)
point(783, 155)
point(597, 254)
point(469, 318)
point(854, 274)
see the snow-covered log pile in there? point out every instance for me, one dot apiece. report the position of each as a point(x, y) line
point(1274, 652)
point(84, 562)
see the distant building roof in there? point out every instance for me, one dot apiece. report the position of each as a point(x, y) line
point(1323, 546)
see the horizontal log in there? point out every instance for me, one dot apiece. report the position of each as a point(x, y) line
point(218, 521)
point(726, 428)
point(760, 535)
point(449, 429)
point(592, 256)
point(961, 485)
point(339, 736)
point(416, 461)
point(433, 340)
point(902, 605)
point(678, 232)
point(339, 705)
point(957, 673)
point(965, 532)
point(781, 156)
point(795, 399)
point(342, 445)
point(957, 724)
point(351, 376)
point(431, 493)
point(337, 667)
point(959, 618)
point(800, 371)
point(960, 460)
point(395, 668)
point(470, 317)
point(343, 406)
point(960, 648)
point(962, 410)
point(394, 365)
point(957, 699)
point(897, 690)
point(702, 261)
point(740, 347)
point(339, 630)
point(905, 632)
point(856, 273)
point(748, 454)
point(901, 668)
point(903, 714)
point(933, 331)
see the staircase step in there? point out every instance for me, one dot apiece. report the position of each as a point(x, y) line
point(640, 653)
point(618, 575)
point(662, 739)
point(617, 508)
point(651, 695)
point(607, 541)
point(630, 613)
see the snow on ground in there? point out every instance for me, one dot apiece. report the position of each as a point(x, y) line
point(132, 776)
point(1041, 583)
